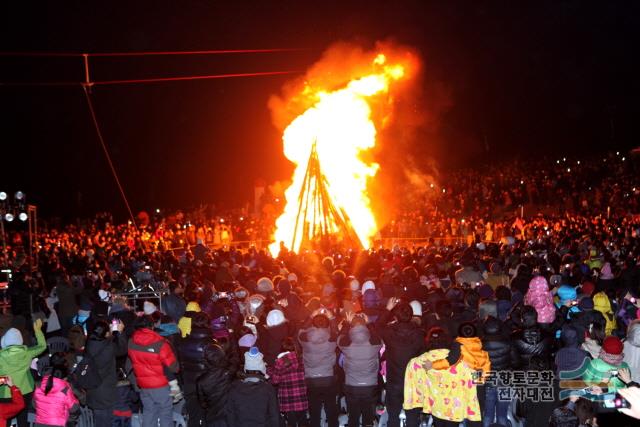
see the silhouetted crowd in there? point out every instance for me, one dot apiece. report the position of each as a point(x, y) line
point(535, 324)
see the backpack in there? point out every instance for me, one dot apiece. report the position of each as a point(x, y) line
point(86, 374)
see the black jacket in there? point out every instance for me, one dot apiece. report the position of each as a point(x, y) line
point(403, 341)
point(583, 319)
point(495, 342)
point(252, 402)
point(212, 390)
point(191, 356)
point(174, 306)
point(104, 353)
point(530, 342)
point(270, 340)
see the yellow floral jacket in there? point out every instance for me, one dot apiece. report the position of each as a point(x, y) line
point(446, 392)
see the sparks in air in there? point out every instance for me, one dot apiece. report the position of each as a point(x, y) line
point(328, 195)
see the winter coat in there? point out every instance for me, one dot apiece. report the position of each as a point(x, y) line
point(191, 356)
point(150, 354)
point(361, 350)
point(318, 352)
point(602, 304)
point(270, 339)
point(15, 362)
point(288, 375)
point(502, 353)
point(583, 320)
point(570, 357)
point(403, 341)
point(53, 408)
point(252, 402)
point(473, 355)
point(447, 392)
point(632, 350)
point(174, 306)
point(184, 324)
point(212, 389)
point(8, 410)
point(530, 342)
point(598, 371)
point(521, 283)
point(104, 352)
point(541, 299)
point(67, 303)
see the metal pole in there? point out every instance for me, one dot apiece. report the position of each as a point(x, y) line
point(4, 243)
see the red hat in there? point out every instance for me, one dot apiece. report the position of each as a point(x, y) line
point(612, 345)
point(588, 288)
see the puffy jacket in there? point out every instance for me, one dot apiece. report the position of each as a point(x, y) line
point(252, 402)
point(104, 353)
point(541, 299)
point(15, 361)
point(212, 391)
point(403, 341)
point(361, 353)
point(570, 357)
point(53, 408)
point(632, 350)
point(499, 347)
point(602, 304)
point(191, 356)
point(473, 355)
point(8, 410)
point(184, 324)
point(318, 352)
point(150, 354)
point(530, 342)
point(599, 371)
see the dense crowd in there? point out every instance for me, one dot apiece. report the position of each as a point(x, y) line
point(534, 324)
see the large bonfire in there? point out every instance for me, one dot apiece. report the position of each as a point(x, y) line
point(328, 193)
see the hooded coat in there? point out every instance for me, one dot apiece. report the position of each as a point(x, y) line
point(252, 402)
point(288, 375)
point(502, 353)
point(15, 361)
point(541, 299)
point(53, 409)
point(602, 304)
point(632, 350)
point(212, 389)
point(473, 355)
point(530, 341)
point(184, 324)
point(403, 341)
point(570, 357)
point(104, 353)
point(361, 350)
point(150, 354)
point(318, 352)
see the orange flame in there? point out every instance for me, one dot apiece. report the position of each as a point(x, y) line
point(341, 125)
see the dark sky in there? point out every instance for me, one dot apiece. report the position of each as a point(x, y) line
point(534, 78)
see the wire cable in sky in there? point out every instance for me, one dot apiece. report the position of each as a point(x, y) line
point(106, 152)
point(150, 53)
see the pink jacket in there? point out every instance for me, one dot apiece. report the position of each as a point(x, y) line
point(541, 299)
point(53, 409)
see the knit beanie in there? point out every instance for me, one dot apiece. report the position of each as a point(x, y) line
point(264, 285)
point(254, 361)
point(587, 288)
point(247, 340)
point(611, 351)
point(11, 337)
point(149, 308)
point(368, 285)
point(275, 318)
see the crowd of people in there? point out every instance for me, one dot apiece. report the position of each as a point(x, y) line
point(535, 324)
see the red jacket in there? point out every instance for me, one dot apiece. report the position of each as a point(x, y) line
point(10, 409)
point(150, 354)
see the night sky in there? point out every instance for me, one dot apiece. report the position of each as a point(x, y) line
point(534, 79)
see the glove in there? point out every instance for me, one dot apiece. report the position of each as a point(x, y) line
point(174, 391)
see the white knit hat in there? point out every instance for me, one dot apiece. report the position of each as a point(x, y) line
point(368, 285)
point(254, 361)
point(264, 285)
point(275, 318)
point(149, 308)
point(416, 307)
point(292, 277)
point(11, 337)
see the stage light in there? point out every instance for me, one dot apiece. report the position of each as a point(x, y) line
point(157, 210)
point(23, 216)
point(8, 216)
point(3, 196)
point(19, 195)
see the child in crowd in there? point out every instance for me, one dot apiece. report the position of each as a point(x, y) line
point(288, 376)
